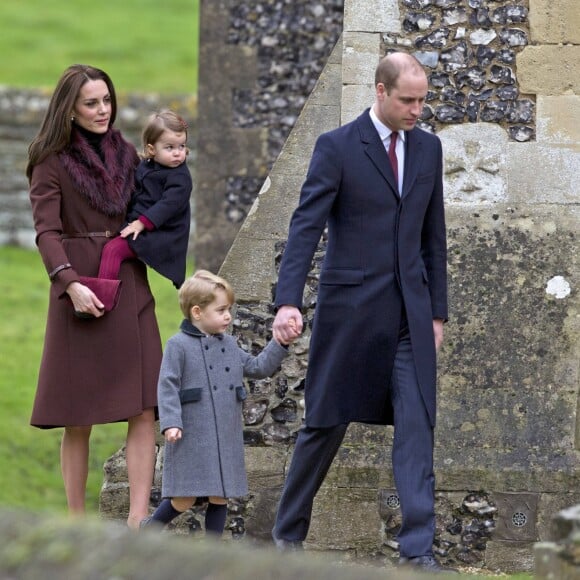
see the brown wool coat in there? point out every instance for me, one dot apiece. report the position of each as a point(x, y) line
point(92, 371)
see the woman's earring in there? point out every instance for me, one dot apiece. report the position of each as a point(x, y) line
point(72, 119)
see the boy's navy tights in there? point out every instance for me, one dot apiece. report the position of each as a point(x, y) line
point(215, 516)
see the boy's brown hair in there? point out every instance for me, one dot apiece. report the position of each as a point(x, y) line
point(199, 290)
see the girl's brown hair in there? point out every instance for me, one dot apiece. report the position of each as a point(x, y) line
point(157, 123)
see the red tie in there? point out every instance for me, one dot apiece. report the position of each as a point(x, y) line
point(393, 157)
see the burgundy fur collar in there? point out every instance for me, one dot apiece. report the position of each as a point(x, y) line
point(107, 187)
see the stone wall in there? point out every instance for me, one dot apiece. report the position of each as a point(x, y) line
point(560, 558)
point(258, 64)
point(508, 436)
point(468, 48)
point(21, 113)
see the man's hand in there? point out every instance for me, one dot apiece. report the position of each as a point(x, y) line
point(287, 324)
point(438, 332)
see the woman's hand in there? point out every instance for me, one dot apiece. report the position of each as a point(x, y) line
point(85, 301)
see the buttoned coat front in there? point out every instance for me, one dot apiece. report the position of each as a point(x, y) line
point(102, 370)
point(200, 391)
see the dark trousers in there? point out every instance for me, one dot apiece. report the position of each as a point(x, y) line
point(412, 464)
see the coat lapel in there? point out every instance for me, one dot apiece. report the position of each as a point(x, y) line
point(374, 148)
point(413, 159)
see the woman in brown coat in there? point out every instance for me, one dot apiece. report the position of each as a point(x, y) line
point(97, 366)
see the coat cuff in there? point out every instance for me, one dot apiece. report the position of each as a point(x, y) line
point(149, 225)
point(163, 428)
point(62, 279)
point(52, 275)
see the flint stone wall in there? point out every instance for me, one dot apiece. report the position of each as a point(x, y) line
point(508, 434)
point(258, 63)
point(21, 113)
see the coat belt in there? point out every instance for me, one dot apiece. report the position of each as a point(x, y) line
point(106, 234)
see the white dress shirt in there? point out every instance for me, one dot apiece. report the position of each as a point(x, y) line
point(385, 135)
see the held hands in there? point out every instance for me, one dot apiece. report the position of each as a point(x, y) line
point(134, 228)
point(287, 325)
point(172, 434)
point(84, 300)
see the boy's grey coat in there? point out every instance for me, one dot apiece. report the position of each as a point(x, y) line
point(209, 459)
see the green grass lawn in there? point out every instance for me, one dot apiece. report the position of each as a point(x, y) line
point(29, 457)
point(145, 45)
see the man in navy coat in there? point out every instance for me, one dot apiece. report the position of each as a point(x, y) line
point(382, 301)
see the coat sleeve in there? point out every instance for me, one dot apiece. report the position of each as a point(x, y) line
point(169, 386)
point(174, 199)
point(434, 244)
point(45, 199)
point(266, 363)
point(308, 220)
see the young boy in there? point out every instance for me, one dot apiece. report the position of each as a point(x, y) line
point(200, 394)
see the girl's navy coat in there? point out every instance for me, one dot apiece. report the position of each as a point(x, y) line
point(162, 196)
point(200, 391)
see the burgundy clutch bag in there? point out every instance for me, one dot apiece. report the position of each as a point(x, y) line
point(107, 291)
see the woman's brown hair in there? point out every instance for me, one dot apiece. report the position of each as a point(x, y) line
point(55, 131)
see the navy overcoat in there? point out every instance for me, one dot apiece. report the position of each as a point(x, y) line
point(385, 252)
point(162, 196)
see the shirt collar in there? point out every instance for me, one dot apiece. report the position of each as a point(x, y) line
point(383, 131)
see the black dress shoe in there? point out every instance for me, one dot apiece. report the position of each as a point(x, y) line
point(426, 564)
point(287, 545)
